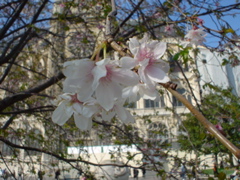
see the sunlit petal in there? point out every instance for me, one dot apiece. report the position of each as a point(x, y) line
point(160, 49)
point(157, 74)
point(62, 113)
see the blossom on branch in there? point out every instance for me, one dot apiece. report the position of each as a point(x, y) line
point(70, 105)
point(169, 29)
point(194, 37)
point(147, 55)
point(109, 80)
point(100, 89)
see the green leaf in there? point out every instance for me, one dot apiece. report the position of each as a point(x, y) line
point(176, 56)
point(224, 62)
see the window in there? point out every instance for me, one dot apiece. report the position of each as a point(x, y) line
point(157, 132)
point(184, 93)
point(152, 104)
point(161, 103)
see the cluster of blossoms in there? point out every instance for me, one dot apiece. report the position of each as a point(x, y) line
point(99, 90)
point(195, 37)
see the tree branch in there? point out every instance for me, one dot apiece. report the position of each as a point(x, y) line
point(208, 125)
point(8, 101)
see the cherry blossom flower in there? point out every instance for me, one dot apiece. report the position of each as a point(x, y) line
point(200, 21)
point(109, 80)
point(100, 89)
point(70, 105)
point(194, 37)
point(147, 54)
point(169, 29)
point(220, 129)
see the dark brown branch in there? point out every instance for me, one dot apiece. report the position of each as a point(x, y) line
point(8, 101)
point(30, 110)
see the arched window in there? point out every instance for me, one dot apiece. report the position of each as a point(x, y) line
point(157, 132)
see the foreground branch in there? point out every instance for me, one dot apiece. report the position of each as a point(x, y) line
point(208, 125)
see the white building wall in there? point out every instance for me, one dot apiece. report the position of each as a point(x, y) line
point(212, 71)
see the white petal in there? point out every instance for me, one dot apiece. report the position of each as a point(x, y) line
point(127, 62)
point(162, 65)
point(88, 111)
point(148, 93)
point(144, 63)
point(156, 74)
point(124, 115)
point(145, 78)
point(145, 38)
point(98, 72)
point(130, 118)
point(78, 68)
point(82, 122)
point(62, 113)
point(107, 115)
point(133, 45)
point(160, 49)
point(85, 91)
point(125, 77)
point(70, 85)
point(121, 113)
point(105, 95)
point(77, 107)
point(131, 92)
point(66, 96)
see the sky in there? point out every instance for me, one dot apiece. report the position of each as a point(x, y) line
point(209, 21)
point(234, 21)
